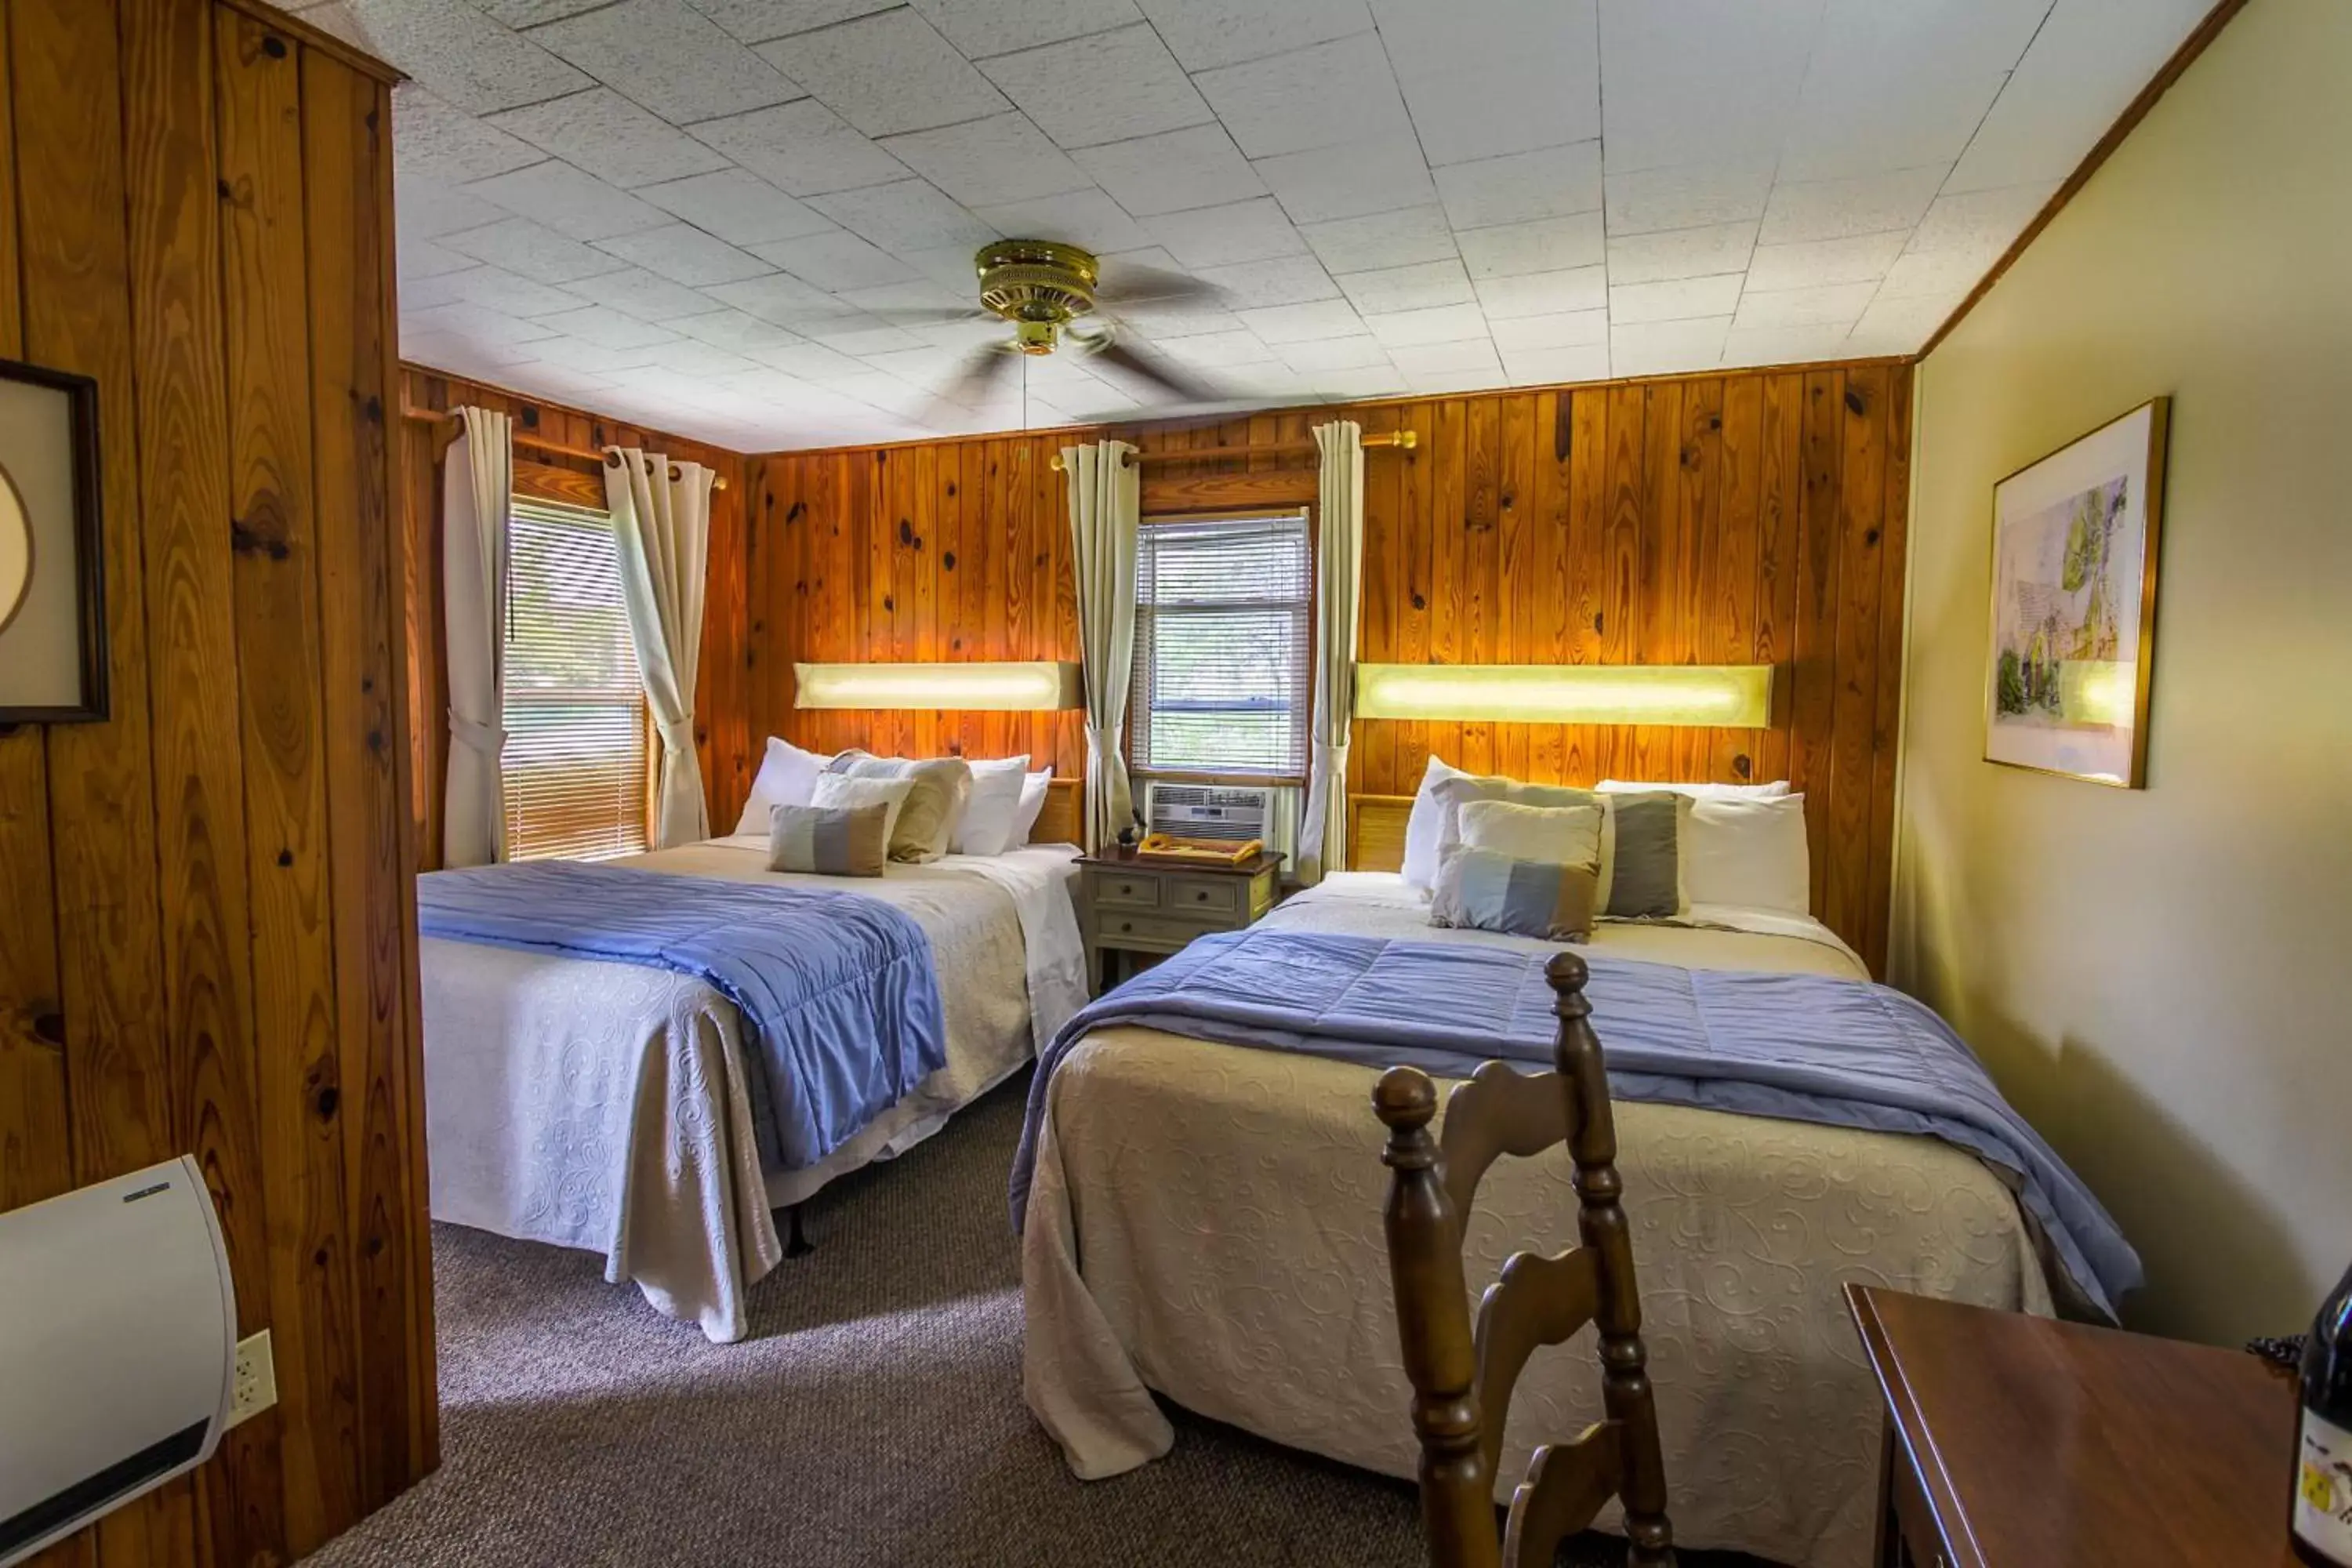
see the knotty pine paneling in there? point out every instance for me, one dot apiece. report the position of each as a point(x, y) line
point(721, 700)
point(1752, 517)
point(206, 917)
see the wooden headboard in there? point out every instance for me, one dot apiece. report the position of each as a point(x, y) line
point(1376, 831)
point(1061, 821)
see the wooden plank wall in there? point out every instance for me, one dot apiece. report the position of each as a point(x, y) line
point(207, 926)
point(1749, 516)
point(721, 703)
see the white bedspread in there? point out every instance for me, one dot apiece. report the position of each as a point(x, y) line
point(604, 1106)
point(1206, 1223)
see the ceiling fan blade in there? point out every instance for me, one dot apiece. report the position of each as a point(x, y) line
point(984, 373)
point(1135, 284)
point(1181, 385)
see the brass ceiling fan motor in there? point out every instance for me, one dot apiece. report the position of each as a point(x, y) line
point(1041, 286)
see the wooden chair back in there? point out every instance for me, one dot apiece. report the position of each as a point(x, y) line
point(1463, 1377)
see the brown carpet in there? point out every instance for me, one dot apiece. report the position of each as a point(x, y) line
point(874, 1416)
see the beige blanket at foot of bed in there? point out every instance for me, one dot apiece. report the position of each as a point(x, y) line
point(1206, 1222)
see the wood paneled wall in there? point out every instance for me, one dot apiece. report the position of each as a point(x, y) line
point(1755, 517)
point(721, 704)
point(207, 929)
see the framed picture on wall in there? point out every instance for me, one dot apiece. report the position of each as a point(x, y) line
point(2074, 605)
point(52, 576)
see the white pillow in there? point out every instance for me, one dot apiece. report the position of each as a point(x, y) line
point(1750, 853)
point(1773, 791)
point(1553, 835)
point(1033, 806)
point(994, 808)
point(1425, 825)
point(786, 776)
point(840, 789)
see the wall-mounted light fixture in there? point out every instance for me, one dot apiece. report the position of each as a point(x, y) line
point(1725, 696)
point(1004, 688)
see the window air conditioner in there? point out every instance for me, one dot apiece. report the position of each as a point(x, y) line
point(1233, 814)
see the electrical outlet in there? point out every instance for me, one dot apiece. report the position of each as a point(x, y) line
point(256, 1378)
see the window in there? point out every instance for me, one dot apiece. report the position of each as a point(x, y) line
point(1223, 618)
point(575, 760)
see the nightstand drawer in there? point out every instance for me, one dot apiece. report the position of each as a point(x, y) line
point(1117, 929)
point(1205, 895)
point(1129, 892)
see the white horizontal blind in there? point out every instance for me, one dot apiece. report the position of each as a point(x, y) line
point(1223, 617)
point(574, 764)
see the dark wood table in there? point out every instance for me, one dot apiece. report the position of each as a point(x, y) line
point(2017, 1442)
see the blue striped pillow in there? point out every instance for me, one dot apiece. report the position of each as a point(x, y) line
point(1485, 889)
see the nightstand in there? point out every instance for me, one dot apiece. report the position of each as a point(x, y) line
point(1155, 907)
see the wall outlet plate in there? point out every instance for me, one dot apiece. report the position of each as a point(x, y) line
point(256, 1378)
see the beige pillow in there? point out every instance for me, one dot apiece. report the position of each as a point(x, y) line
point(1565, 834)
point(926, 825)
point(839, 790)
point(1450, 794)
point(832, 841)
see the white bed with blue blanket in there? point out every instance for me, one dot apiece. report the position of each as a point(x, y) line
point(646, 1057)
point(1202, 1219)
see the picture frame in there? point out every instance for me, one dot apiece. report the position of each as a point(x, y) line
point(53, 646)
point(2073, 623)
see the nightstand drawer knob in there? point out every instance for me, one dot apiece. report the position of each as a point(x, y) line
point(1200, 896)
point(1127, 925)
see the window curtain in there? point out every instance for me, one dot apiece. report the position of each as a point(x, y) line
point(661, 526)
point(1339, 564)
point(1106, 501)
point(476, 482)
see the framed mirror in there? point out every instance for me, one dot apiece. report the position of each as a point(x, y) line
point(52, 569)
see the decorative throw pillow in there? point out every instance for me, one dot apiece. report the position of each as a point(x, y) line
point(1641, 856)
point(994, 808)
point(1486, 889)
point(833, 841)
point(1750, 853)
point(926, 825)
point(786, 776)
point(1568, 833)
point(1422, 824)
point(841, 790)
point(1452, 794)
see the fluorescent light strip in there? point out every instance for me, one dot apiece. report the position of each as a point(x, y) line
point(1718, 696)
point(1041, 686)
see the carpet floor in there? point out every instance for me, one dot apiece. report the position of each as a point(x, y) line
point(873, 1416)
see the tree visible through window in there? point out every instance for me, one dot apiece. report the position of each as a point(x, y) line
point(1224, 615)
point(574, 764)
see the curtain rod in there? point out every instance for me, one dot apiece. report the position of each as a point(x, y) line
point(1403, 440)
point(536, 443)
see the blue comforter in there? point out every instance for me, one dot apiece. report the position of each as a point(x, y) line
point(1802, 1047)
point(838, 988)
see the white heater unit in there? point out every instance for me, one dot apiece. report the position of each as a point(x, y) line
point(118, 1349)
point(1232, 814)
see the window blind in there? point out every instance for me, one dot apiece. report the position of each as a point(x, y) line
point(575, 764)
point(1223, 619)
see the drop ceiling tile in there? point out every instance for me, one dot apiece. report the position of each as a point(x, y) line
point(499, 289)
point(1385, 239)
point(1354, 181)
point(464, 58)
point(1839, 209)
point(832, 262)
point(568, 201)
point(608, 329)
point(1566, 330)
point(739, 207)
point(477, 324)
point(1085, 218)
point(684, 253)
point(669, 57)
point(806, 360)
point(1334, 353)
point(1544, 293)
point(802, 148)
point(420, 259)
point(1382, 380)
point(427, 207)
point(1920, 77)
point(1784, 345)
point(2085, 66)
point(521, 246)
point(1217, 349)
point(1111, 87)
point(1681, 253)
point(1673, 100)
point(1156, 320)
point(886, 73)
point(1321, 96)
point(984, 27)
point(1215, 236)
point(1421, 286)
point(950, 266)
point(449, 351)
point(611, 138)
point(1556, 367)
point(1262, 285)
point(1908, 322)
point(1554, 181)
point(1946, 274)
point(1546, 245)
point(1684, 297)
point(861, 335)
point(913, 295)
point(521, 13)
point(907, 215)
point(1282, 324)
point(988, 163)
point(1206, 33)
point(734, 330)
point(435, 141)
point(1176, 169)
point(1819, 305)
point(698, 359)
point(1981, 219)
point(1505, 76)
point(645, 295)
point(1659, 347)
point(1448, 382)
point(1410, 329)
point(1865, 259)
point(440, 288)
point(758, 21)
point(1688, 196)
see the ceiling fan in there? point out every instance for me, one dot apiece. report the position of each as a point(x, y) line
point(1053, 295)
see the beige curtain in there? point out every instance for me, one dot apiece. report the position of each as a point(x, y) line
point(661, 523)
point(1339, 567)
point(1105, 499)
point(476, 482)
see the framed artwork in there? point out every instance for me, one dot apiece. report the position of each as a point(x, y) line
point(2074, 605)
point(52, 574)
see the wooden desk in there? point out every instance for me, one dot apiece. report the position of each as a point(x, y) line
point(1143, 905)
point(2017, 1442)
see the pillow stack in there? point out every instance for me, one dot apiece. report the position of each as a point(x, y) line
point(948, 806)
